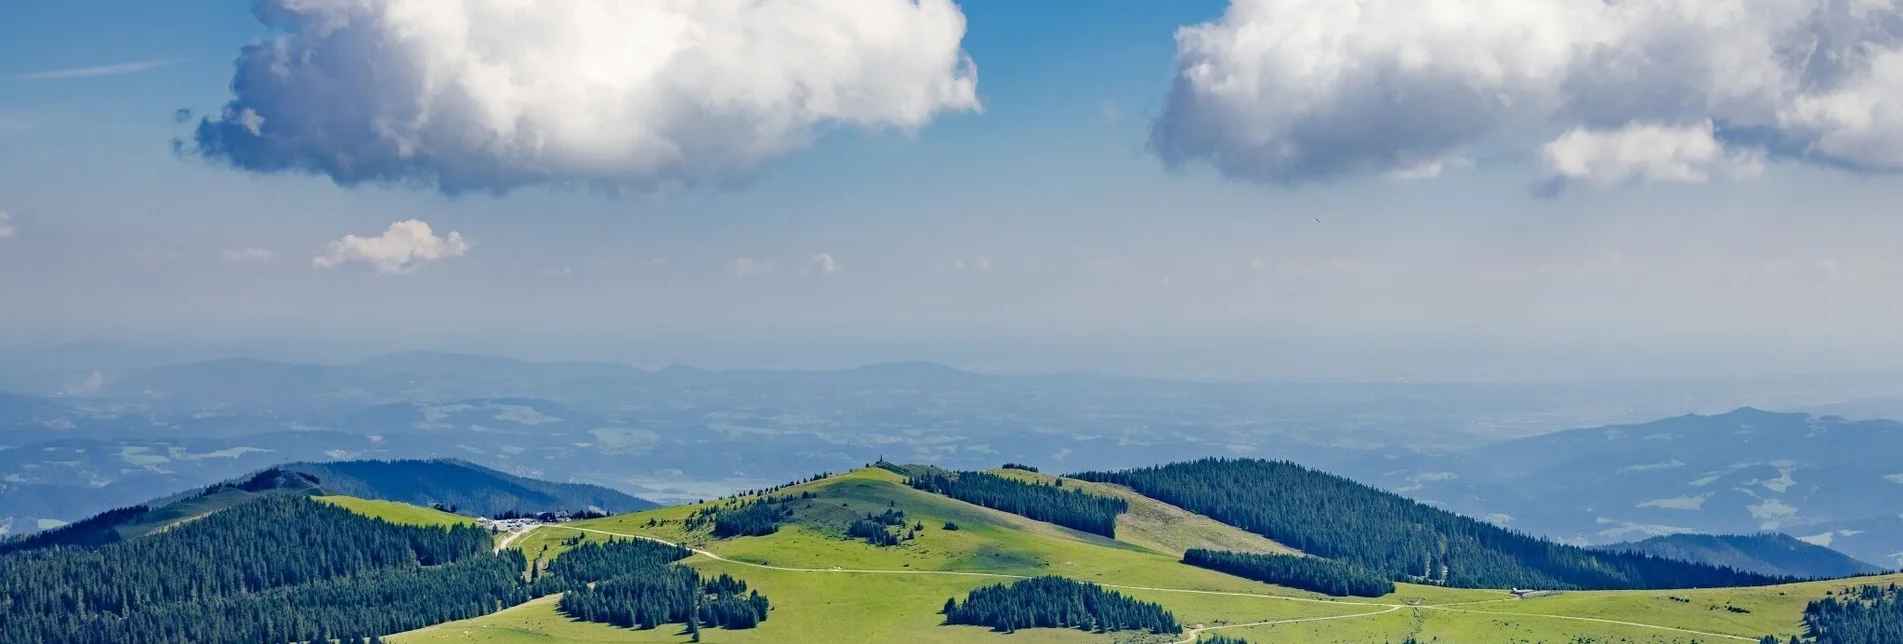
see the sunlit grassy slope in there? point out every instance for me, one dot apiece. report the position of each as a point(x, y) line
point(398, 513)
point(820, 604)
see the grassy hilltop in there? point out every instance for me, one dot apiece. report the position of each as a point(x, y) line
point(828, 588)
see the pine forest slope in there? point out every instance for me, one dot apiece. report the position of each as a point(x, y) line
point(1334, 517)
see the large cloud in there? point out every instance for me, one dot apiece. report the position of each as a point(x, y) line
point(1299, 91)
point(496, 94)
point(399, 249)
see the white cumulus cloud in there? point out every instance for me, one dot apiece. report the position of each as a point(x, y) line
point(6, 225)
point(400, 249)
point(1647, 153)
point(489, 95)
point(1297, 91)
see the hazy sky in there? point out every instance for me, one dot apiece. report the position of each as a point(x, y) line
point(1362, 188)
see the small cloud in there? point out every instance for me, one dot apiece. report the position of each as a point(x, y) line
point(1647, 153)
point(656, 262)
point(6, 225)
point(979, 263)
point(823, 264)
point(398, 250)
point(1109, 112)
point(745, 267)
point(553, 271)
point(248, 254)
point(117, 69)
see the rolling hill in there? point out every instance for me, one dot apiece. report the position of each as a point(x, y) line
point(808, 552)
point(388, 489)
point(828, 587)
point(1767, 553)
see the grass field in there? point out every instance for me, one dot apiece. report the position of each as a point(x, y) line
point(398, 513)
point(819, 603)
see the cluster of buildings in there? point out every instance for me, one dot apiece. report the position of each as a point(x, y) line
point(512, 524)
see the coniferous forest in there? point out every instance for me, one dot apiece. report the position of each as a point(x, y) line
point(277, 569)
point(1049, 503)
point(755, 518)
point(876, 528)
point(1865, 615)
point(642, 590)
point(284, 568)
point(1340, 579)
point(1057, 602)
point(606, 560)
point(1339, 519)
point(659, 594)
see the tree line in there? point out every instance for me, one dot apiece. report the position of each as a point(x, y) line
point(643, 588)
point(1339, 519)
point(1057, 602)
point(1337, 578)
point(1865, 615)
point(674, 594)
point(750, 518)
point(1049, 503)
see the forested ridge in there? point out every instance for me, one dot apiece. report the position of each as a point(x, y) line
point(1337, 578)
point(97, 530)
point(1333, 517)
point(282, 568)
point(278, 568)
point(1057, 602)
point(1070, 508)
point(471, 488)
point(1864, 615)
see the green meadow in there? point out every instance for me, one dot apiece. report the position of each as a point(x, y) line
point(827, 588)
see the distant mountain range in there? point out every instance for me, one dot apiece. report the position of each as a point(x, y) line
point(468, 487)
point(109, 428)
point(1827, 480)
point(1772, 554)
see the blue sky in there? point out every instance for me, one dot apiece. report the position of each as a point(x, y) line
point(1050, 228)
